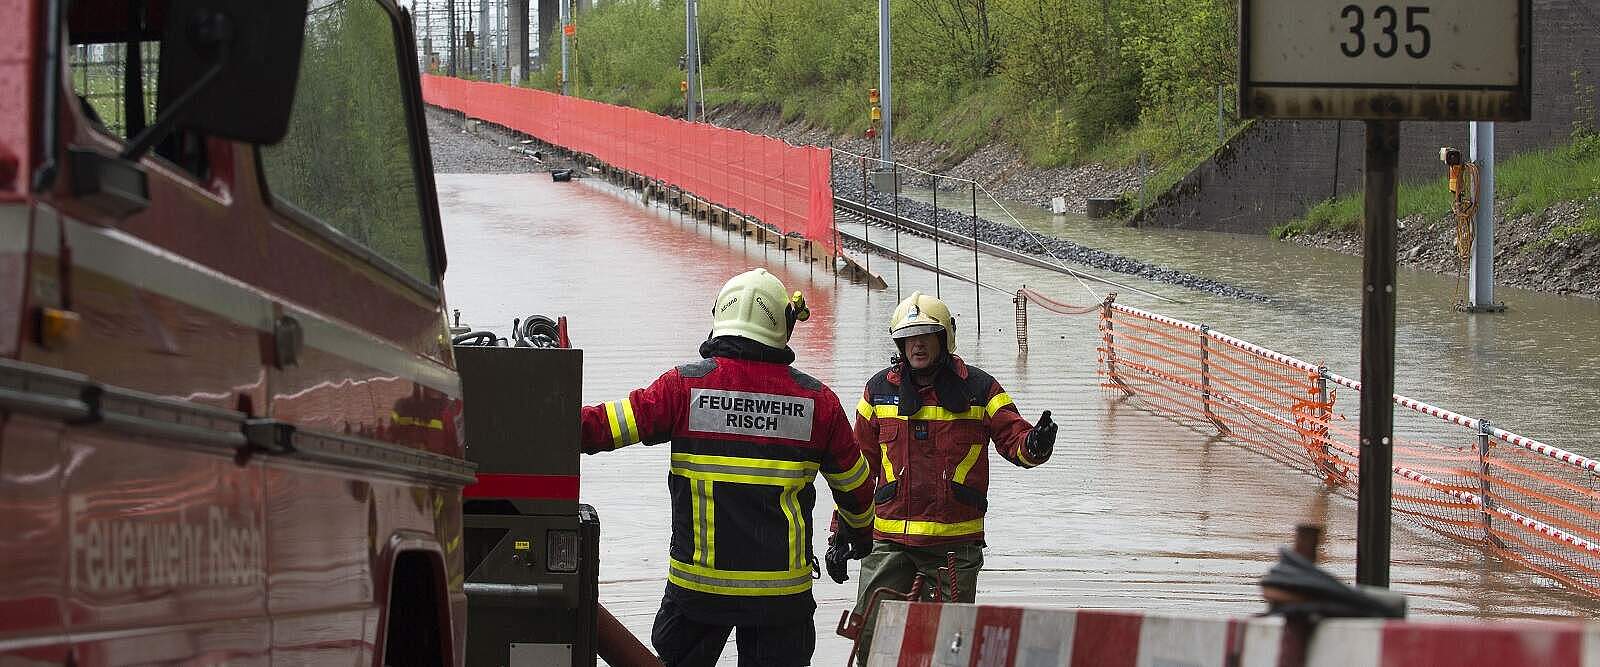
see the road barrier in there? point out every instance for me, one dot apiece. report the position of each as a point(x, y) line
point(785, 186)
point(1527, 501)
point(921, 633)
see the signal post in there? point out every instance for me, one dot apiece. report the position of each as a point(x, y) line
point(1384, 63)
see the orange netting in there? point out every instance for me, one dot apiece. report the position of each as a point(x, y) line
point(784, 186)
point(1524, 500)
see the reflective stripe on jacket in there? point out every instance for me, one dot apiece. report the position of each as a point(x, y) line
point(931, 468)
point(748, 438)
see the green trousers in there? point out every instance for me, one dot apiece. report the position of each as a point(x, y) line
point(896, 567)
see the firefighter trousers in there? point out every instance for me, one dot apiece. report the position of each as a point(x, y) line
point(683, 641)
point(896, 566)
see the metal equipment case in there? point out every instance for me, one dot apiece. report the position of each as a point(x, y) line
point(532, 552)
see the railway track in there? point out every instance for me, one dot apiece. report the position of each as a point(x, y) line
point(871, 214)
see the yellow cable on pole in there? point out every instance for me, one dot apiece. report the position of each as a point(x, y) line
point(1464, 185)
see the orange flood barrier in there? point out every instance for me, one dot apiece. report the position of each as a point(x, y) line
point(781, 185)
point(1522, 499)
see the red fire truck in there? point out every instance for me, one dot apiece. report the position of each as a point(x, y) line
point(229, 423)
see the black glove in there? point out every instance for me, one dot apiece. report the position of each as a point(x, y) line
point(844, 545)
point(1042, 439)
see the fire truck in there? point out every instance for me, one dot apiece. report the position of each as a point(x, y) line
point(231, 417)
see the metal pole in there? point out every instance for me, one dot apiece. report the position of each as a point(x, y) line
point(1377, 355)
point(691, 59)
point(1324, 416)
point(1484, 430)
point(895, 208)
point(1141, 181)
point(866, 225)
point(565, 17)
point(1481, 296)
point(936, 271)
point(1222, 117)
point(1205, 378)
point(450, 15)
point(885, 143)
point(1338, 143)
point(977, 290)
point(482, 43)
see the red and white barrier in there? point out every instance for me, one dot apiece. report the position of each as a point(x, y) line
point(924, 634)
point(1548, 451)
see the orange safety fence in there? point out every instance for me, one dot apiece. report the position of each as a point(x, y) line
point(1522, 499)
point(787, 187)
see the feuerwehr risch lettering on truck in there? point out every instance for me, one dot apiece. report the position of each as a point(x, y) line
point(750, 413)
point(184, 548)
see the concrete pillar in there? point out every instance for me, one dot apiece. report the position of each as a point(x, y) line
point(518, 27)
point(549, 19)
point(481, 39)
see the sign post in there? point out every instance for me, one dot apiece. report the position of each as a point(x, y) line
point(1373, 60)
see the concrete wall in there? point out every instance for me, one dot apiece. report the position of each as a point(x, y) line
point(1272, 171)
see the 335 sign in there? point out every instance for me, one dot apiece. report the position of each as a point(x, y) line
point(1383, 32)
point(1429, 59)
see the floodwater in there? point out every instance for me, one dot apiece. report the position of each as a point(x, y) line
point(1135, 510)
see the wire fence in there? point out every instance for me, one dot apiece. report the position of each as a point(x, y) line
point(1522, 499)
point(99, 79)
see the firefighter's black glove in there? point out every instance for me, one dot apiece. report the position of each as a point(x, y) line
point(1042, 439)
point(844, 545)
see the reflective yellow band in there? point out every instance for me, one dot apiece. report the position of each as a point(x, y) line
point(888, 468)
point(931, 528)
point(847, 481)
point(854, 520)
point(789, 500)
point(927, 413)
point(710, 537)
point(633, 424)
point(434, 424)
point(702, 511)
point(1000, 400)
point(744, 470)
point(864, 409)
point(965, 466)
point(624, 429)
point(739, 582)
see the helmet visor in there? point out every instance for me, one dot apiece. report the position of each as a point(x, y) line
point(916, 330)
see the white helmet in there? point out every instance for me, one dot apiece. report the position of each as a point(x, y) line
point(755, 305)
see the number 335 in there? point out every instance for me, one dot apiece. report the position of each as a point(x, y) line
point(1386, 20)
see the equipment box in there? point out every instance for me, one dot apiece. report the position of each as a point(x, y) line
point(532, 552)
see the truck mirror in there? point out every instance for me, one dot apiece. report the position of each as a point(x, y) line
point(228, 67)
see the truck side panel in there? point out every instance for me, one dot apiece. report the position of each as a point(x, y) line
point(17, 99)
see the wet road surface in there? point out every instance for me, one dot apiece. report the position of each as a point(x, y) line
point(1135, 510)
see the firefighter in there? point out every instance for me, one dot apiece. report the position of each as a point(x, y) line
point(923, 423)
point(749, 433)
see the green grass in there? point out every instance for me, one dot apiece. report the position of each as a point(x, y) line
point(1527, 183)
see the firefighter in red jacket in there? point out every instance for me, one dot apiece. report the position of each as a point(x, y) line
point(923, 423)
point(749, 433)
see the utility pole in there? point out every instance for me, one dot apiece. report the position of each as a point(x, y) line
point(691, 37)
point(1375, 493)
point(885, 143)
point(1480, 295)
point(566, 21)
point(450, 15)
point(482, 41)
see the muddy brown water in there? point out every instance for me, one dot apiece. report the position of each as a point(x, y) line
point(1135, 510)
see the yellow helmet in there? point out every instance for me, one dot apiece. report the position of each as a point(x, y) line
point(754, 305)
point(920, 314)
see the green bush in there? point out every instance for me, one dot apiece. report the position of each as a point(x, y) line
point(1062, 80)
